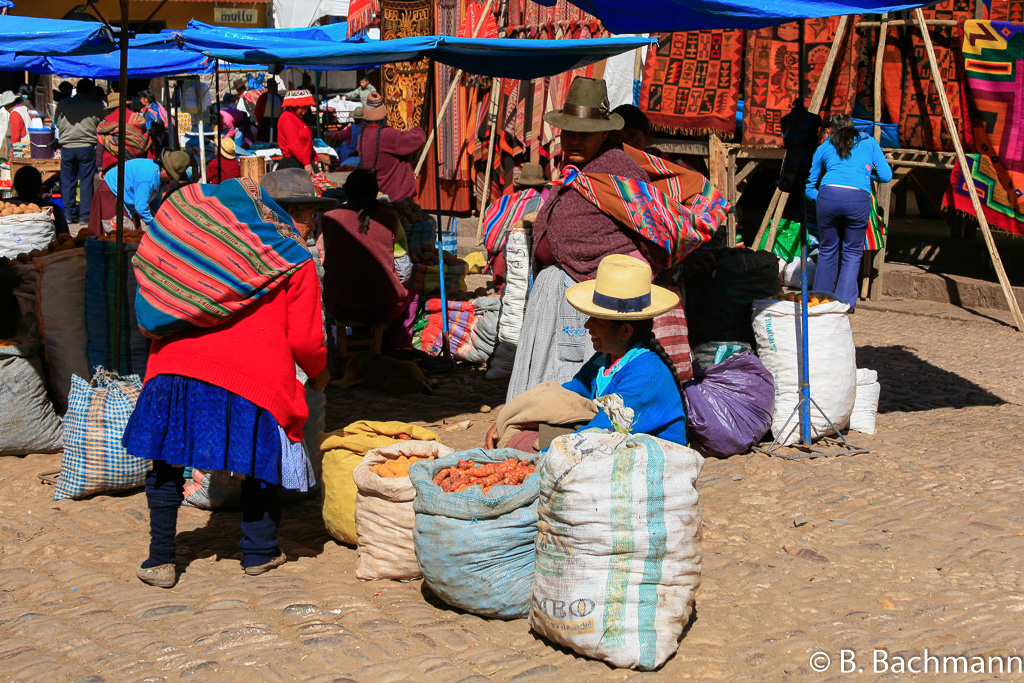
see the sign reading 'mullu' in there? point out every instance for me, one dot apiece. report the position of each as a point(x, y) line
point(234, 15)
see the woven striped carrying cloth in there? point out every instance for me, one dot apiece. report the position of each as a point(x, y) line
point(211, 251)
point(679, 210)
point(503, 214)
point(135, 137)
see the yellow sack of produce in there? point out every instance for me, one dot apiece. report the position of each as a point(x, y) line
point(475, 263)
point(343, 450)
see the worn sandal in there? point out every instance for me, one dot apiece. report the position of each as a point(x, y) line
point(162, 576)
point(264, 568)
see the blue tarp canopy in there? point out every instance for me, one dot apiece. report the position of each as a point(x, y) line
point(650, 16)
point(150, 55)
point(34, 36)
point(503, 58)
point(256, 37)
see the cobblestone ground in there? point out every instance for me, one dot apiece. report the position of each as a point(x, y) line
point(915, 545)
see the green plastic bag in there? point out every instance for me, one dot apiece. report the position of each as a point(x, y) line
point(787, 241)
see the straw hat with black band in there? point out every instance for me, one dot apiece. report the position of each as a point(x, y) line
point(586, 108)
point(622, 290)
point(113, 100)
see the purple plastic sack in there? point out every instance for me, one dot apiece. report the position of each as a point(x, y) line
point(729, 406)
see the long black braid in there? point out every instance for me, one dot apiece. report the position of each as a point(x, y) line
point(643, 334)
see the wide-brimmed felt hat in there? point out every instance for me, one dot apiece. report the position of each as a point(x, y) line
point(294, 186)
point(239, 83)
point(227, 148)
point(357, 113)
point(532, 175)
point(7, 98)
point(177, 163)
point(113, 100)
point(298, 98)
point(374, 110)
point(586, 108)
point(622, 290)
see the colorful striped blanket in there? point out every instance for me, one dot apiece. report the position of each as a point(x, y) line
point(679, 210)
point(136, 139)
point(211, 251)
point(503, 214)
point(993, 54)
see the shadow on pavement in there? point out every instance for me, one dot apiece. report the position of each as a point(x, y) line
point(910, 384)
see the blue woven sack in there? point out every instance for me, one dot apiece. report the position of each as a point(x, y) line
point(475, 549)
point(94, 460)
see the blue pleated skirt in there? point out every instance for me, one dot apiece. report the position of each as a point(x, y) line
point(185, 421)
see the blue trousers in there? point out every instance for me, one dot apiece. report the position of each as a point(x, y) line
point(261, 513)
point(77, 165)
point(843, 215)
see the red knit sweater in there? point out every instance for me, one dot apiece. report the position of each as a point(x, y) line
point(294, 138)
point(254, 353)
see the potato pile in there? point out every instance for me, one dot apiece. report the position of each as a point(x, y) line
point(398, 467)
point(129, 236)
point(17, 208)
point(426, 254)
point(408, 211)
point(62, 243)
point(813, 298)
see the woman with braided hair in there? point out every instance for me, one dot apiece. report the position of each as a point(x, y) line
point(628, 360)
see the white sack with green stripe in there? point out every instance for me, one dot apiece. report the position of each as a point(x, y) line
point(618, 551)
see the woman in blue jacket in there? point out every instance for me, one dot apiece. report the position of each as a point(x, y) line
point(628, 360)
point(843, 168)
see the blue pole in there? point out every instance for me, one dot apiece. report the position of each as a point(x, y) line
point(805, 365)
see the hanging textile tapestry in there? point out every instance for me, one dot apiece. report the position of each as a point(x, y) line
point(691, 82)
point(1007, 10)
point(909, 92)
point(405, 83)
point(993, 61)
point(773, 75)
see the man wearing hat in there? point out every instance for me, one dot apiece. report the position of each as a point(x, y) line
point(7, 100)
point(570, 237)
point(530, 191)
point(143, 179)
point(76, 120)
point(619, 306)
point(225, 166)
point(387, 152)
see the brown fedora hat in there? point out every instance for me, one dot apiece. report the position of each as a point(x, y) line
point(585, 109)
point(177, 163)
point(532, 175)
point(294, 186)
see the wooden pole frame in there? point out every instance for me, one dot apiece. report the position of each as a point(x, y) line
point(779, 199)
point(965, 168)
point(448, 97)
point(492, 119)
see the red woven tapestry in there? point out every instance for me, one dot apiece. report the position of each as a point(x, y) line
point(908, 90)
point(405, 83)
point(1007, 10)
point(691, 82)
point(772, 68)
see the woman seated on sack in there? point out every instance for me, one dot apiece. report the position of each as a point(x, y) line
point(570, 236)
point(221, 391)
point(628, 361)
point(361, 282)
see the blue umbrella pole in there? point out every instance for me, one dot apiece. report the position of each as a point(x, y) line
point(805, 365)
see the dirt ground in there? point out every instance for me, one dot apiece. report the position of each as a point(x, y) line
point(915, 545)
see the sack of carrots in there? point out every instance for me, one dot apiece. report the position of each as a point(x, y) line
point(384, 514)
point(476, 520)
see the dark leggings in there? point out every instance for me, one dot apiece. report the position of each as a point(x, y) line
point(261, 513)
